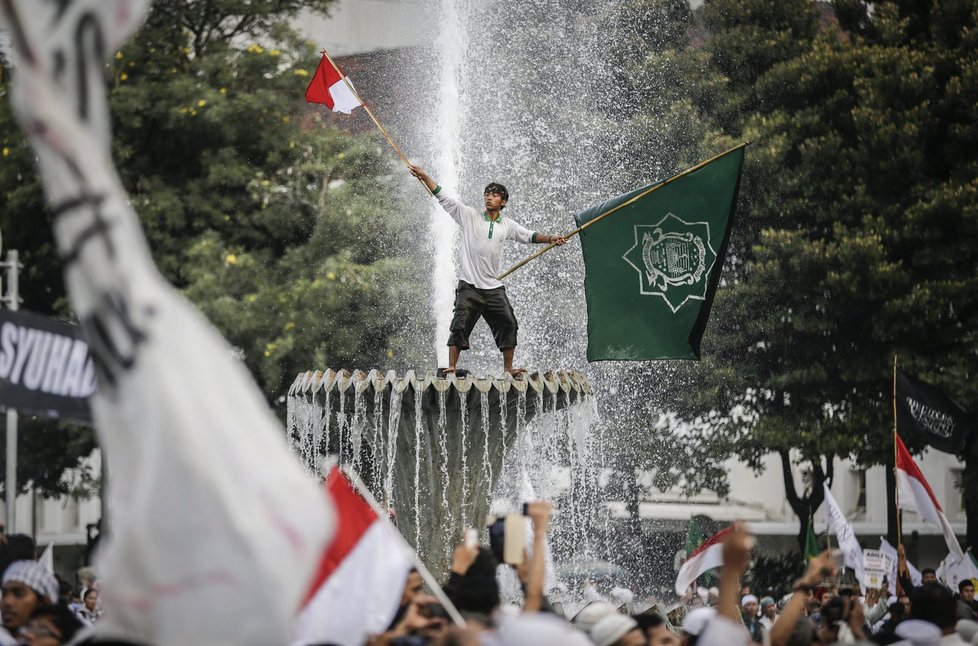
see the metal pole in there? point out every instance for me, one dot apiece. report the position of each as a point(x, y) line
point(10, 483)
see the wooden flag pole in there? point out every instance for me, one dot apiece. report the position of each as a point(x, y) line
point(653, 189)
point(373, 117)
point(896, 482)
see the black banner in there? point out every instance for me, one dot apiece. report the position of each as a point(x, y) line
point(45, 367)
point(926, 411)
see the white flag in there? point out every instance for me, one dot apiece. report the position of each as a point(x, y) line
point(915, 576)
point(216, 530)
point(47, 558)
point(953, 571)
point(838, 524)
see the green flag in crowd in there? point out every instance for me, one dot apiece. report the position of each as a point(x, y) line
point(812, 548)
point(652, 266)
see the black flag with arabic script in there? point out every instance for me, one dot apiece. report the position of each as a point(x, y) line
point(927, 411)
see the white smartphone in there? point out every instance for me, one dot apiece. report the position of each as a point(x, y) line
point(471, 538)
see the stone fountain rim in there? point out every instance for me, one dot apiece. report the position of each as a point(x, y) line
point(313, 381)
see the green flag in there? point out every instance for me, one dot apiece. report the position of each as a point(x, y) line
point(812, 548)
point(652, 266)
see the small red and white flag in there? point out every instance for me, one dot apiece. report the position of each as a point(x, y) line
point(329, 87)
point(916, 495)
point(706, 557)
point(357, 588)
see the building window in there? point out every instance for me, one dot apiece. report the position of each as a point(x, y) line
point(861, 490)
point(957, 487)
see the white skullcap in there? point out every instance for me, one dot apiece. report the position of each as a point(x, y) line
point(919, 633)
point(592, 613)
point(747, 598)
point(611, 628)
point(696, 620)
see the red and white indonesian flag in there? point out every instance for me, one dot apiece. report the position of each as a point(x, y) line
point(916, 495)
point(329, 88)
point(358, 587)
point(706, 557)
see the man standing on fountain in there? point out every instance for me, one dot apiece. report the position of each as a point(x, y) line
point(479, 293)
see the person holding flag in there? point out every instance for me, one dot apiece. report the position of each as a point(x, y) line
point(479, 292)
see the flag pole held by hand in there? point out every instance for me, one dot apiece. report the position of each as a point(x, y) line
point(638, 197)
point(373, 117)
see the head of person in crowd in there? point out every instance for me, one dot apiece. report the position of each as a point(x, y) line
point(16, 547)
point(928, 575)
point(591, 614)
point(656, 632)
point(50, 626)
point(90, 599)
point(769, 609)
point(824, 596)
point(27, 586)
point(617, 630)
point(748, 605)
point(694, 624)
point(898, 611)
point(934, 603)
point(476, 592)
point(412, 588)
point(905, 602)
point(966, 590)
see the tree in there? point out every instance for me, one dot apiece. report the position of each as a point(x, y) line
point(852, 241)
point(248, 201)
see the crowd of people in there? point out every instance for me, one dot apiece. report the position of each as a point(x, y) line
point(40, 609)
point(37, 607)
point(819, 610)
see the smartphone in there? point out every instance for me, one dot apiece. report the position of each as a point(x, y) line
point(514, 539)
point(471, 538)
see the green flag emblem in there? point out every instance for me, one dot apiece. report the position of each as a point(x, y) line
point(653, 264)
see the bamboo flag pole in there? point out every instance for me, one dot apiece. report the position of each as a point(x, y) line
point(619, 207)
point(373, 117)
point(896, 486)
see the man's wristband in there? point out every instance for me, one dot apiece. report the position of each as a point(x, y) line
point(437, 189)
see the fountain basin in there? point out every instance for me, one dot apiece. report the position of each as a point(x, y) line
point(430, 449)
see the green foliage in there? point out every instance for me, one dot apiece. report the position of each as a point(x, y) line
point(854, 239)
point(773, 575)
point(284, 231)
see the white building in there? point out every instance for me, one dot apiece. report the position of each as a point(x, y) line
point(761, 501)
point(361, 26)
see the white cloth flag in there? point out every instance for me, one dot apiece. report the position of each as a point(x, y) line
point(838, 524)
point(953, 571)
point(216, 530)
point(891, 579)
point(916, 495)
point(47, 558)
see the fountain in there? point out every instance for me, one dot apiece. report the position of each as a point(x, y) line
point(431, 449)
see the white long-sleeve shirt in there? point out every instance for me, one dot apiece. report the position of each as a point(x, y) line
point(482, 240)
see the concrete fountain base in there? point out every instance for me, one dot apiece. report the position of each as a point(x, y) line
point(429, 448)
